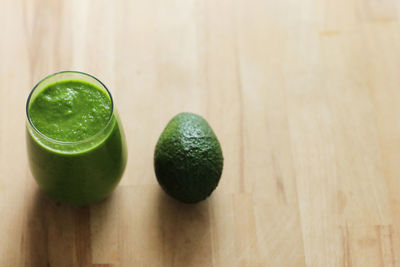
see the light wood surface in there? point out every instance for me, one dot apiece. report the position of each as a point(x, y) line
point(304, 96)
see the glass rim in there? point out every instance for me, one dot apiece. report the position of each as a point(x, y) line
point(86, 140)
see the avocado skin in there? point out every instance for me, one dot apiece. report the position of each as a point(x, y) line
point(188, 159)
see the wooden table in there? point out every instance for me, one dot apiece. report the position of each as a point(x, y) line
point(304, 96)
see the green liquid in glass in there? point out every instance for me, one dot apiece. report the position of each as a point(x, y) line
point(77, 152)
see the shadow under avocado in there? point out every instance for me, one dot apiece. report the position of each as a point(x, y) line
point(57, 234)
point(185, 230)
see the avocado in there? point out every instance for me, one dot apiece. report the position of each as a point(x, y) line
point(188, 158)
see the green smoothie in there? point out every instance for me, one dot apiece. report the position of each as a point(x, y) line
point(75, 143)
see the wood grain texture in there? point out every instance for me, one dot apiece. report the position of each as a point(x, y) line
point(303, 95)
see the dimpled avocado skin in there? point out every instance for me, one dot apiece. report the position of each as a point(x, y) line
point(188, 158)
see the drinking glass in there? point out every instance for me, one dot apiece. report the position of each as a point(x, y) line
point(81, 172)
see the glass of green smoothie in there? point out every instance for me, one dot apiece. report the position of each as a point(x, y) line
point(75, 142)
